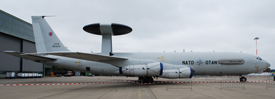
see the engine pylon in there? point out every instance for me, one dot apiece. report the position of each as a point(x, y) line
point(107, 31)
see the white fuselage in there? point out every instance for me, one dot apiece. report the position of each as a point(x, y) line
point(203, 63)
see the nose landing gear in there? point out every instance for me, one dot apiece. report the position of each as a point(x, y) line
point(145, 79)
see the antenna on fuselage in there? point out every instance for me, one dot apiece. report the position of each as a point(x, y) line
point(48, 16)
point(107, 31)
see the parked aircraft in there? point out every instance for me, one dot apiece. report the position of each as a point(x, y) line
point(173, 65)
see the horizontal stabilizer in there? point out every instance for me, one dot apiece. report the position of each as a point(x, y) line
point(29, 56)
point(88, 56)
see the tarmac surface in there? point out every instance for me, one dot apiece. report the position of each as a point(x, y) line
point(128, 90)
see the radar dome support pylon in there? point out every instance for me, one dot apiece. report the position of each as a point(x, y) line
point(107, 31)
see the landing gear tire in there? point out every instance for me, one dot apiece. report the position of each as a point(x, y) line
point(150, 79)
point(145, 79)
point(242, 79)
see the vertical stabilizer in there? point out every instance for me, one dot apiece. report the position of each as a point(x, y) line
point(45, 38)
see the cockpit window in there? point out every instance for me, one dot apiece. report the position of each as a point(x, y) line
point(259, 58)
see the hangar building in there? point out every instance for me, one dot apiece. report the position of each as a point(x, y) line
point(16, 35)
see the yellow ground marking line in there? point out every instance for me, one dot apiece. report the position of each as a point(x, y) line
point(139, 93)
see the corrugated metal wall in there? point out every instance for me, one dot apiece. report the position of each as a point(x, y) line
point(8, 62)
point(16, 35)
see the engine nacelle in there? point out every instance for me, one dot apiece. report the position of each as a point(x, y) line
point(151, 69)
point(185, 72)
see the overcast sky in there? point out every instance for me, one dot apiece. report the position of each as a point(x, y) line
point(160, 25)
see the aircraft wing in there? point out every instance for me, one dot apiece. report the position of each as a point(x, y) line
point(88, 56)
point(32, 57)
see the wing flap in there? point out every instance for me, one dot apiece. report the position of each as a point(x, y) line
point(29, 56)
point(88, 56)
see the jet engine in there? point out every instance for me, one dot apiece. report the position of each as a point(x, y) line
point(156, 69)
point(185, 72)
point(151, 69)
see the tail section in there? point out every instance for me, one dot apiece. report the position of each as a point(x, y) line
point(45, 38)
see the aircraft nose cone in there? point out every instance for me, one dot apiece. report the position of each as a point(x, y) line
point(267, 64)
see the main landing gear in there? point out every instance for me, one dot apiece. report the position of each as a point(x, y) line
point(242, 79)
point(145, 79)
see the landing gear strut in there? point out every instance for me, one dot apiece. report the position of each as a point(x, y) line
point(141, 79)
point(243, 79)
point(145, 79)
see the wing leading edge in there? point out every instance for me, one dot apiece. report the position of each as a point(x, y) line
point(32, 57)
point(88, 56)
point(77, 55)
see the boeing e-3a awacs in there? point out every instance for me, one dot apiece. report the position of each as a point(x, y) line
point(50, 50)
